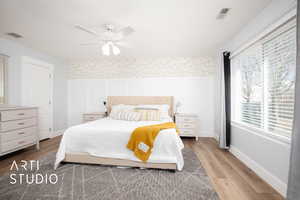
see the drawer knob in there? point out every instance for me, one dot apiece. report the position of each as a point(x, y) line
point(21, 133)
point(21, 114)
point(21, 123)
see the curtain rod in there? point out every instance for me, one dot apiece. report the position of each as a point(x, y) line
point(287, 17)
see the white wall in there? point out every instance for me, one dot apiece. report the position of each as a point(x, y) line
point(195, 93)
point(269, 158)
point(15, 51)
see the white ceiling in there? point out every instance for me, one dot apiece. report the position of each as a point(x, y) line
point(162, 27)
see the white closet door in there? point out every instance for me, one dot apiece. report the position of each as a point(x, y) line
point(37, 91)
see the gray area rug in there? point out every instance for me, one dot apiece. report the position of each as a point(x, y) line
point(95, 182)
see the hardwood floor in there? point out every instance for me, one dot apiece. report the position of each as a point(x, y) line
point(231, 178)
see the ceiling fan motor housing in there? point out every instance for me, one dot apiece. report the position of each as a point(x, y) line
point(109, 27)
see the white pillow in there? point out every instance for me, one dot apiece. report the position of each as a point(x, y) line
point(115, 109)
point(149, 114)
point(146, 108)
point(163, 108)
point(128, 115)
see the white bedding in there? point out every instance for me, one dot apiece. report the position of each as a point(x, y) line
point(108, 138)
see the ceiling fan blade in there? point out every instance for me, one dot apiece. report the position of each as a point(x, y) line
point(126, 31)
point(90, 44)
point(90, 31)
point(123, 44)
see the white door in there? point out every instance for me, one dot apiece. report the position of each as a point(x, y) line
point(37, 91)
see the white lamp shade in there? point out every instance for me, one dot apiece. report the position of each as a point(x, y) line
point(115, 50)
point(178, 104)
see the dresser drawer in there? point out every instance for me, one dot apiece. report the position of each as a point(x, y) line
point(186, 132)
point(11, 145)
point(18, 124)
point(18, 114)
point(190, 125)
point(186, 119)
point(13, 135)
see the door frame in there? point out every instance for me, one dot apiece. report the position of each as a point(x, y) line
point(25, 60)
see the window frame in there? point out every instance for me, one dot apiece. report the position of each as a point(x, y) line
point(236, 112)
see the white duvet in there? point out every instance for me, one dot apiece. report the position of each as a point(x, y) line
point(108, 138)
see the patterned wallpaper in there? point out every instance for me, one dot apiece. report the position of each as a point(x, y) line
point(120, 67)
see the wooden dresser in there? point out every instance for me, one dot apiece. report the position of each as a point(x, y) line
point(187, 124)
point(18, 128)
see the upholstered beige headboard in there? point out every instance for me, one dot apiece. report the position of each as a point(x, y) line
point(136, 100)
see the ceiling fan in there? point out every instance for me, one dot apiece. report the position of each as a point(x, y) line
point(110, 38)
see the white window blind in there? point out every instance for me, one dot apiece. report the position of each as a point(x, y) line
point(249, 64)
point(264, 78)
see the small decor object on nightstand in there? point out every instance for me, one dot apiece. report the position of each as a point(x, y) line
point(87, 117)
point(186, 124)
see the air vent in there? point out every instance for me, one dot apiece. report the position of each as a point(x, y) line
point(223, 13)
point(14, 35)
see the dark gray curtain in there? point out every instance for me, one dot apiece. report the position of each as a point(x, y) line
point(294, 174)
point(227, 79)
point(224, 100)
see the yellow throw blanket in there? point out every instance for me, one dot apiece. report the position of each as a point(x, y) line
point(142, 139)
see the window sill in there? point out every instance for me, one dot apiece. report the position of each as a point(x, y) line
point(262, 133)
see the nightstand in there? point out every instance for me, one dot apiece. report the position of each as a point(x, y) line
point(87, 117)
point(187, 124)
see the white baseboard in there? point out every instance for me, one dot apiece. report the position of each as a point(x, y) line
point(57, 133)
point(206, 134)
point(275, 182)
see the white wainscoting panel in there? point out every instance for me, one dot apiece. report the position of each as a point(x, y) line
point(195, 93)
point(94, 94)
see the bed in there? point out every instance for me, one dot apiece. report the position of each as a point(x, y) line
point(104, 141)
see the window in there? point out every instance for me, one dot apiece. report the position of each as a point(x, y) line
point(263, 84)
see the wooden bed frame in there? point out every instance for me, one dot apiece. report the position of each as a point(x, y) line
point(128, 100)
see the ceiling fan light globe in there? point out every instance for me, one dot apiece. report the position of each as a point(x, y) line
point(116, 50)
point(105, 50)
